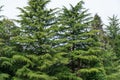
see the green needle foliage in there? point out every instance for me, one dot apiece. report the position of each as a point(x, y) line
point(38, 59)
point(8, 30)
point(35, 22)
point(80, 42)
point(109, 56)
point(65, 44)
point(113, 35)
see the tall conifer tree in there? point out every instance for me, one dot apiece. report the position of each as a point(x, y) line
point(36, 53)
point(80, 42)
point(8, 30)
point(113, 31)
point(113, 35)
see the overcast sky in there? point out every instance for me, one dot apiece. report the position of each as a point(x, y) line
point(104, 8)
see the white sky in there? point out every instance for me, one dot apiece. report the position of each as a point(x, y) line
point(104, 8)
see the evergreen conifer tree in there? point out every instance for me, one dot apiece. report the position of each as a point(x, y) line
point(37, 58)
point(112, 33)
point(113, 30)
point(7, 32)
point(109, 56)
point(58, 45)
point(77, 38)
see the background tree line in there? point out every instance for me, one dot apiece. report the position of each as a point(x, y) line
point(59, 44)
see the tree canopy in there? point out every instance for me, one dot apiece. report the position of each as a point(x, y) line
point(59, 44)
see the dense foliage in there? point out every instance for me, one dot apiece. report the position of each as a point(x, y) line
point(65, 44)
